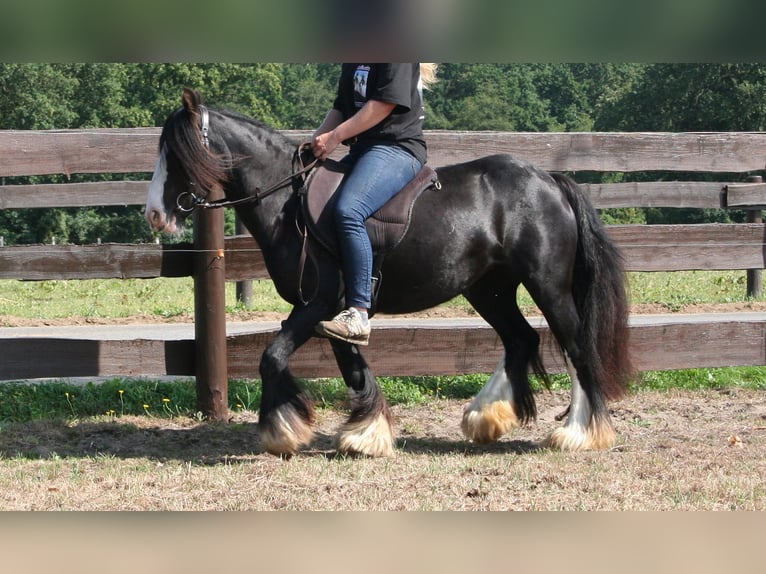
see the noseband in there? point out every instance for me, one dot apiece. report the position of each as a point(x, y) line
point(188, 201)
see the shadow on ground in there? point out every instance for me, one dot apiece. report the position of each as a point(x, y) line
point(201, 443)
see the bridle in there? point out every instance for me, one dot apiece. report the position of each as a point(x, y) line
point(188, 201)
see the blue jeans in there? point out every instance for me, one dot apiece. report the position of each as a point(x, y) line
point(376, 176)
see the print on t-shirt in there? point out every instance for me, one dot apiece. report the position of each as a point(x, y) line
point(360, 85)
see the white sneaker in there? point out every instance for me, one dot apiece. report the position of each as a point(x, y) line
point(347, 326)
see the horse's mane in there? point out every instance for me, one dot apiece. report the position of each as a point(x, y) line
point(273, 135)
point(182, 137)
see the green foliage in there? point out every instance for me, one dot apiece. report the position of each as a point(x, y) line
point(700, 379)
point(36, 97)
point(669, 216)
point(689, 97)
point(61, 400)
point(308, 91)
point(623, 216)
point(487, 97)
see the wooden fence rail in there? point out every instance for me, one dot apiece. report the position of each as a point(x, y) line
point(397, 347)
point(135, 150)
point(443, 347)
point(646, 248)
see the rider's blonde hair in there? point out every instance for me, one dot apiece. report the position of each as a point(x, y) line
point(428, 74)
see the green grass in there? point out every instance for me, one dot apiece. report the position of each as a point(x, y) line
point(167, 297)
point(119, 298)
point(698, 379)
point(674, 290)
point(671, 290)
point(62, 400)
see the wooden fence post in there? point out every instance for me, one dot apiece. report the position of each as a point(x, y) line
point(754, 276)
point(210, 314)
point(245, 287)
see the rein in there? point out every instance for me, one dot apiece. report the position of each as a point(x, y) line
point(188, 201)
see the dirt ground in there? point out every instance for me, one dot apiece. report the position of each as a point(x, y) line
point(677, 450)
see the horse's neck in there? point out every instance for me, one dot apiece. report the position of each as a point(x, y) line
point(265, 159)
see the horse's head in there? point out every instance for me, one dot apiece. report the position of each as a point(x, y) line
point(186, 168)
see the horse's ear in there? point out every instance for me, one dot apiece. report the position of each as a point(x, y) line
point(191, 100)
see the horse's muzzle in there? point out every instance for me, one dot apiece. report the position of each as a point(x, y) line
point(159, 222)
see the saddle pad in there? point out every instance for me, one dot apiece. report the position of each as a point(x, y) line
point(386, 227)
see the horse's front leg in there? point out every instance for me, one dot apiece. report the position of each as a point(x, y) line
point(286, 413)
point(368, 430)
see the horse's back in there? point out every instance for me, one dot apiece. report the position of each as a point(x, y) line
point(499, 186)
point(500, 165)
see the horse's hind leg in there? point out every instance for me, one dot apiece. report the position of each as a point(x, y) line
point(506, 401)
point(368, 430)
point(588, 425)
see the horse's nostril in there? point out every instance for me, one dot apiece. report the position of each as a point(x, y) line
point(156, 219)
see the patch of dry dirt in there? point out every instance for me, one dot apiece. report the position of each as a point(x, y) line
point(677, 450)
point(434, 313)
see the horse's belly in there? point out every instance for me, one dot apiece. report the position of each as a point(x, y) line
point(413, 284)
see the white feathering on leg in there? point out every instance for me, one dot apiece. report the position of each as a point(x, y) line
point(491, 414)
point(287, 434)
point(369, 438)
point(581, 431)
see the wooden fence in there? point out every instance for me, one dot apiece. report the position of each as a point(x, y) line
point(400, 347)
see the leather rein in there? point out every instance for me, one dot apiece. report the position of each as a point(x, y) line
point(188, 201)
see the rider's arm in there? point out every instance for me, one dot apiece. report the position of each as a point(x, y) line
point(326, 140)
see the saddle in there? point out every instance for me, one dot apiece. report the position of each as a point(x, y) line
point(386, 227)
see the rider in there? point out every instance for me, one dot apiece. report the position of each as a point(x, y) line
point(378, 112)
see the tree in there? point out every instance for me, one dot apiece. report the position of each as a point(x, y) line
point(36, 97)
point(690, 97)
point(308, 91)
point(252, 89)
point(487, 97)
point(524, 97)
point(60, 96)
point(510, 97)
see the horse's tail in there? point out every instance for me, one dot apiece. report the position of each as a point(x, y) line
point(601, 297)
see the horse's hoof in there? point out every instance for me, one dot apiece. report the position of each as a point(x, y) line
point(489, 422)
point(284, 432)
point(367, 438)
point(572, 438)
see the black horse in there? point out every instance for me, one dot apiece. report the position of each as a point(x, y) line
point(495, 224)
